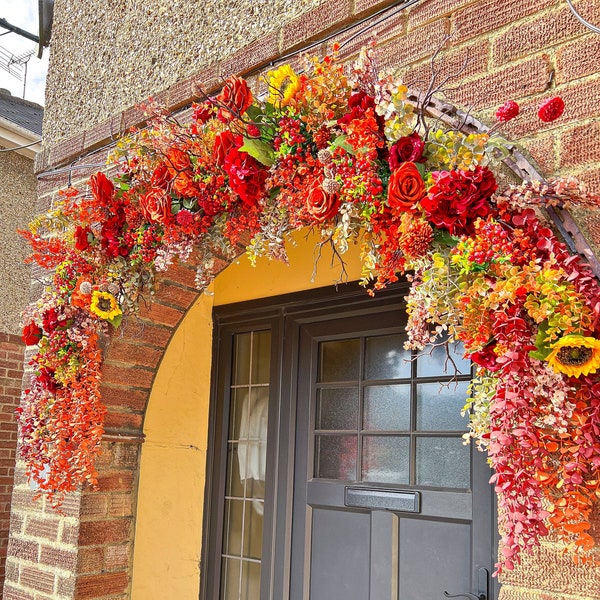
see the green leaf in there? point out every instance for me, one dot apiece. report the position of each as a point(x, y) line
point(260, 150)
point(444, 238)
point(116, 321)
point(543, 349)
point(340, 142)
point(421, 168)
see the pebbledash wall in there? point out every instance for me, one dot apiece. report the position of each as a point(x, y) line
point(139, 535)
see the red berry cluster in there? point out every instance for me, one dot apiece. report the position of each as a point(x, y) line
point(508, 111)
point(551, 109)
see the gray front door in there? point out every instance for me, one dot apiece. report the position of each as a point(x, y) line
point(388, 502)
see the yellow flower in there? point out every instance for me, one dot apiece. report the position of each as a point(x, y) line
point(575, 355)
point(104, 305)
point(283, 85)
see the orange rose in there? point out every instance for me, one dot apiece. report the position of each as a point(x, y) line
point(406, 187)
point(185, 185)
point(235, 96)
point(156, 206)
point(321, 205)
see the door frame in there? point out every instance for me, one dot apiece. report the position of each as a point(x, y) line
point(284, 316)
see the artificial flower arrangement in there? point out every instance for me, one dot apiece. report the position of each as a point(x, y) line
point(347, 154)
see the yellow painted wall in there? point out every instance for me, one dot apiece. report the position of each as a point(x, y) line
point(171, 488)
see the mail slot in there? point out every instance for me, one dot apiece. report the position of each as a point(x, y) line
point(378, 499)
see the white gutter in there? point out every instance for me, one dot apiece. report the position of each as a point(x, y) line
point(15, 136)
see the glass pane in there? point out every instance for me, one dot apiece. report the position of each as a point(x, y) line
point(261, 357)
point(232, 539)
point(385, 459)
point(230, 578)
point(253, 522)
point(387, 407)
point(250, 581)
point(437, 363)
point(235, 486)
point(237, 408)
point(335, 457)
point(340, 360)
point(241, 359)
point(386, 358)
point(337, 409)
point(252, 447)
point(439, 406)
point(443, 462)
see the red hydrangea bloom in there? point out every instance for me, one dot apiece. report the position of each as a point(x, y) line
point(246, 176)
point(82, 241)
point(51, 320)
point(551, 109)
point(407, 149)
point(358, 104)
point(457, 198)
point(31, 334)
point(509, 110)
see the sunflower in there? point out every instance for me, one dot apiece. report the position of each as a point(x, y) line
point(283, 85)
point(575, 355)
point(104, 305)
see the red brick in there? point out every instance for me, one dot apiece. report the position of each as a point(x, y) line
point(54, 557)
point(117, 557)
point(122, 351)
point(423, 12)
point(550, 28)
point(124, 398)
point(123, 421)
point(592, 178)
point(132, 117)
point(66, 150)
point(37, 579)
point(175, 295)
point(578, 59)
point(94, 505)
point(451, 67)
point(102, 133)
point(95, 533)
point(331, 14)
point(96, 586)
point(112, 482)
point(515, 82)
point(125, 455)
point(11, 593)
point(580, 145)
point(69, 533)
point(414, 46)
point(90, 560)
point(23, 549)
point(121, 505)
point(489, 15)
point(132, 376)
point(159, 313)
point(46, 528)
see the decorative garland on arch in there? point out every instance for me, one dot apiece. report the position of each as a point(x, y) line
point(346, 154)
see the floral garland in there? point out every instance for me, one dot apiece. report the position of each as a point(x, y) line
point(346, 154)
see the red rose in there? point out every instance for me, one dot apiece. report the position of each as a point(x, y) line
point(235, 97)
point(32, 334)
point(102, 188)
point(51, 321)
point(161, 177)
point(82, 241)
point(224, 142)
point(46, 379)
point(358, 104)
point(177, 161)
point(457, 198)
point(406, 187)
point(321, 205)
point(486, 357)
point(112, 235)
point(246, 176)
point(407, 149)
point(156, 206)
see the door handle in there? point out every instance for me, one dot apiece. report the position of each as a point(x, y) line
point(482, 584)
point(466, 595)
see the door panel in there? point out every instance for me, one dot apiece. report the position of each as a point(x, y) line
point(371, 420)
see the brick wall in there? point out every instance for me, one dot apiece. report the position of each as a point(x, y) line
point(11, 375)
point(526, 50)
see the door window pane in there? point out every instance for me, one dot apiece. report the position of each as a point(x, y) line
point(385, 459)
point(437, 364)
point(335, 457)
point(387, 408)
point(386, 358)
point(337, 408)
point(439, 406)
point(339, 360)
point(443, 462)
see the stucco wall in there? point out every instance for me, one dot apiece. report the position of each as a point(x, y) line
point(107, 56)
point(17, 204)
